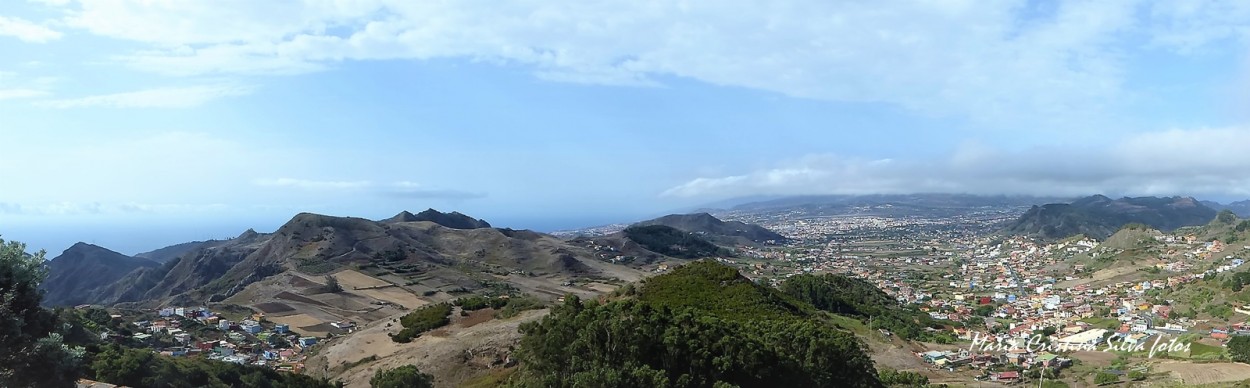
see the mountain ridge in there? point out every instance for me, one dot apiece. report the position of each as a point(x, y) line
point(162, 255)
point(708, 226)
point(1099, 216)
point(454, 220)
point(83, 269)
point(316, 245)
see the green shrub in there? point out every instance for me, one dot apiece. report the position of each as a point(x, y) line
point(515, 305)
point(422, 320)
point(472, 303)
point(406, 376)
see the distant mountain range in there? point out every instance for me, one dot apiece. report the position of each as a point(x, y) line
point(83, 270)
point(454, 220)
point(170, 252)
point(1240, 208)
point(676, 236)
point(1099, 216)
point(892, 205)
point(442, 247)
point(712, 228)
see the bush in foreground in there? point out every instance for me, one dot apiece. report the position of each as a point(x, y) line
point(407, 376)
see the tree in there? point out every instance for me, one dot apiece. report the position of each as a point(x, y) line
point(31, 353)
point(1106, 378)
point(984, 310)
point(407, 376)
point(332, 284)
point(638, 343)
point(975, 321)
point(890, 377)
point(1239, 348)
point(1048, 331)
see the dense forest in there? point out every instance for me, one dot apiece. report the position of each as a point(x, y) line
point(848, 296)
point(701, 325)
point(673, 242)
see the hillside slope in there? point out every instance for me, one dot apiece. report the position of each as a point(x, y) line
point(725, 232)
point(171, 252)
point(401, 251)
point(82, 270)
point(1099, 216)
point(195, 269)
point(1240, 208)
point(701, 325)
point(454, 220)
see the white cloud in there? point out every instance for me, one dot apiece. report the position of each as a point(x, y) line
point(21, 93)
point(997, 61)
point(171, 97)
point(97, 208)
point(1176, 162)
point(26, 31)
point(307, 184)
point(1190, 25)
point(16, 86)
point(397, 189)
point(55, 3)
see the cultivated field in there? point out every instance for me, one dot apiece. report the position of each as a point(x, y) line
point(1206, 373)
point(394, 295)
point(354, 282)
point(351, 280)
point(1095, 358)
point(299, 321)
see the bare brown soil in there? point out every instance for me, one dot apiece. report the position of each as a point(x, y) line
point(273, 307)
point(1206, 373)
point(476, 317)
point(294, 297)
point(461, 354)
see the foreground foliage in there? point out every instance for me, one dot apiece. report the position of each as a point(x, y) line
point(1239, 348)
point(890, 377)
point(633, 343)
point(36, 351)
point(720, 290)
point(32, 348)
point(406, 376)
point(702, 325)
point(142, 368)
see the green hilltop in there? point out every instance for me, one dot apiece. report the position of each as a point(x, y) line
point(705, 325)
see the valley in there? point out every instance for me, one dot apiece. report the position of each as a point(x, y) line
point(335, 288)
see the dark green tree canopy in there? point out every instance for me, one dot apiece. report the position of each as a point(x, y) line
point(32, 353)
point(407, 376)
point(845, 295)
point(701, 325)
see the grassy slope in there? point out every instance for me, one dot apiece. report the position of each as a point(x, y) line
point(721, 291)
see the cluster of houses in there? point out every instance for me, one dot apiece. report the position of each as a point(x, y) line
point(1018, 288)
point(1017, 280)
point(250, 341)
point(1021, 358)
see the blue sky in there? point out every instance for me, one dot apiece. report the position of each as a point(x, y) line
point(135, 124)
